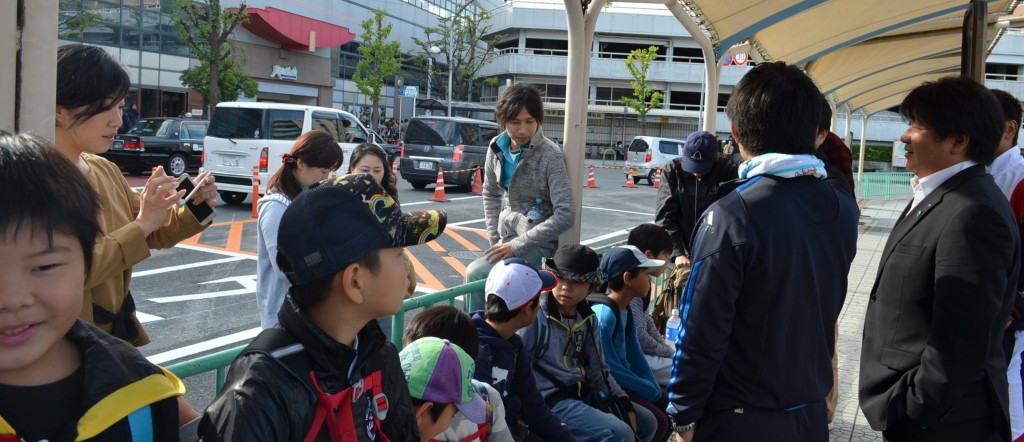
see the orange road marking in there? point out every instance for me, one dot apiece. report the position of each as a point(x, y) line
point(231, 223)
point(429, 281)
point(234, 238)
point(435, 246)
point(456, 264)
point(468, 245)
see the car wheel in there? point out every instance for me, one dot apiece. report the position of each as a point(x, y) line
point(233, 198)
point(419, 185)
point(468, 185)
point(650, 178)
point(177, 164)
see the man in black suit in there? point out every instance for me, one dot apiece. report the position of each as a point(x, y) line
point(932, 365)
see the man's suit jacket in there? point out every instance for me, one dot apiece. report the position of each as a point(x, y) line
point(938, 309)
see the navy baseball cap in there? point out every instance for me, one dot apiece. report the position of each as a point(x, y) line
point(700, 152)
point(340, 221)
point(619, 260)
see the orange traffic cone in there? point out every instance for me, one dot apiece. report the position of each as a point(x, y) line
point(439, 189)
point(591, 182)
point(629, 180)
point(478, 182)
point(657, 179)
point(394, 168)
point(255, 190)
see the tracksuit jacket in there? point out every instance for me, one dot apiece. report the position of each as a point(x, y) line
point(508, 368)
point(770, 265)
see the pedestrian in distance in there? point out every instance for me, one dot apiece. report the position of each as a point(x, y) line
point(311, 159)
point(932, 365)
point(326, 372)
point(59, 374)
point(527, 197)
point(451, 324)
point(755, 346)
point(568, 361)
point(691, 183)
point(513, 291)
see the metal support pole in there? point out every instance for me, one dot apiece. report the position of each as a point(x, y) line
point(975, 31)
point(849, 130)
point(863, 148)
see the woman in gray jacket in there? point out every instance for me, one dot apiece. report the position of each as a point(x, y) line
point(527, 199)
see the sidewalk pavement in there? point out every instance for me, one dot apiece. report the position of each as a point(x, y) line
point(878, 217)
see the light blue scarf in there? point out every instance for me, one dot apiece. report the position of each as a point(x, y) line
point(782, 165)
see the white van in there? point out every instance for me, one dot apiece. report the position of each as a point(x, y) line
point(646, 153)
point(246, 134)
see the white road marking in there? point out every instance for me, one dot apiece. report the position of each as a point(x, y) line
point(604, 237)
point(247, 282)
point(462, 223)
point(146, 317)
point(187, 266)
point(617, 210)
point(218, 252)
point(200, 347)
point(434, 202)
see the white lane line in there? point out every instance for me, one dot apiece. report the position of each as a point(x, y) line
point(248, 283)
point(617, 210)
point(200, 347)
point(146, 317)
point(217, 252)
point(604, 237)
point(187, 266)
point(424, 290)
point(462, 223)
point(433, 202)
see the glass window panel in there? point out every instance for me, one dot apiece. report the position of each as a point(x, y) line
point(150, 29)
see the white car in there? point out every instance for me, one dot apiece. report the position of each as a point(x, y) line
point(647, 153)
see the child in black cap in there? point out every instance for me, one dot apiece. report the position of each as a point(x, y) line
point(326, 372)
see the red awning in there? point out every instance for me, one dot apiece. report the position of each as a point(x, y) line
point(292, 31)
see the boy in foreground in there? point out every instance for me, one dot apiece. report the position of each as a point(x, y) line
point(440, 377)
point(59, 376)
point(326, 372)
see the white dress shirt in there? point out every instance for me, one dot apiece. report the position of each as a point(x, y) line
point(1007, 170)
point(924, 186)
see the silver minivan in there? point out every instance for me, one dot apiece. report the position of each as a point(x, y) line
point(243, 135)
point(647, 153)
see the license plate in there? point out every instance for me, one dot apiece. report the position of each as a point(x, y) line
point(118, 145)
point(427, 165)
point(229, 162)
point(633, 172)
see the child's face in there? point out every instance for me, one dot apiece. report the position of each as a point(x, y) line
point(662, 256)
point(41, 286)
point(568, 293)
point(430, 429)
point(640, 283)
point(389, 284)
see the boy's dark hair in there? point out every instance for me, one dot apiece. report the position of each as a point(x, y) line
point(308, 296)
point(1011, 108)
point(89, 76)
point(370, 149)
point(435, 411)
point(315, 148)
point(496, 310)
point(958, 106)
point(517, 97)
point(825, 120)
point(775, 108)
point(649, 237)
point(61, 199)
point(617, 283)
point(445, 322)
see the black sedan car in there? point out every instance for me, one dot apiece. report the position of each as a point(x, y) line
point(175, 143)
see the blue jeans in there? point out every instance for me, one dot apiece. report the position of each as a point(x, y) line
point(479, 269)
point(590, 424)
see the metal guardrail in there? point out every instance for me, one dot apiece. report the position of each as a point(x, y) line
point(885, 184)
point(220, 361)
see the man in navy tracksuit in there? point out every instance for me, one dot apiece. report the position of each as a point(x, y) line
point(770, 260)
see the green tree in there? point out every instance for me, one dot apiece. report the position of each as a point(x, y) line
point(379, 60)
point(73, 18)
point(471, 49)
point(206, 28)
point(644, 96)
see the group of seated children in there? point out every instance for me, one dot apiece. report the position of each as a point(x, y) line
point(547, 358)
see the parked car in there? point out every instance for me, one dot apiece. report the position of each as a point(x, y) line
point(394, 151)
point(453, 143)
point(647, 153)
point(175, 143)
point(244, 135)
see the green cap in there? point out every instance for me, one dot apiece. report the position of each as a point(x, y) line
point(440, 372)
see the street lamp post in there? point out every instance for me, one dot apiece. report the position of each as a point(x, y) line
point(434, 50)
point(451, 50)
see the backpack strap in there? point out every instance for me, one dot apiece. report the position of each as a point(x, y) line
point(283, 348)
point(141, 424)
point(600, 298)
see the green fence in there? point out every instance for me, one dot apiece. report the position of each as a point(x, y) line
point(885, 184)
point(220, 361)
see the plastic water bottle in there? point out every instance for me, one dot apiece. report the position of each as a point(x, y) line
point(536, 212)
point(672, 327)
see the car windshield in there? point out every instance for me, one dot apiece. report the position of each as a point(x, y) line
point(236, 123)
point(638, 145)
point(434, 132)
point(151, 128)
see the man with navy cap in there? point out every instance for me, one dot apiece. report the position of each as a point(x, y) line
point(691, 184)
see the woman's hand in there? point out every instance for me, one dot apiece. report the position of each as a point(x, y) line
point(207, 190)
point(157, 196)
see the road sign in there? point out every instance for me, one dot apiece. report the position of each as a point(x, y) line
point(412, 92)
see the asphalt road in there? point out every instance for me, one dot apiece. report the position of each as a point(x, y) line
point(200, 296)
